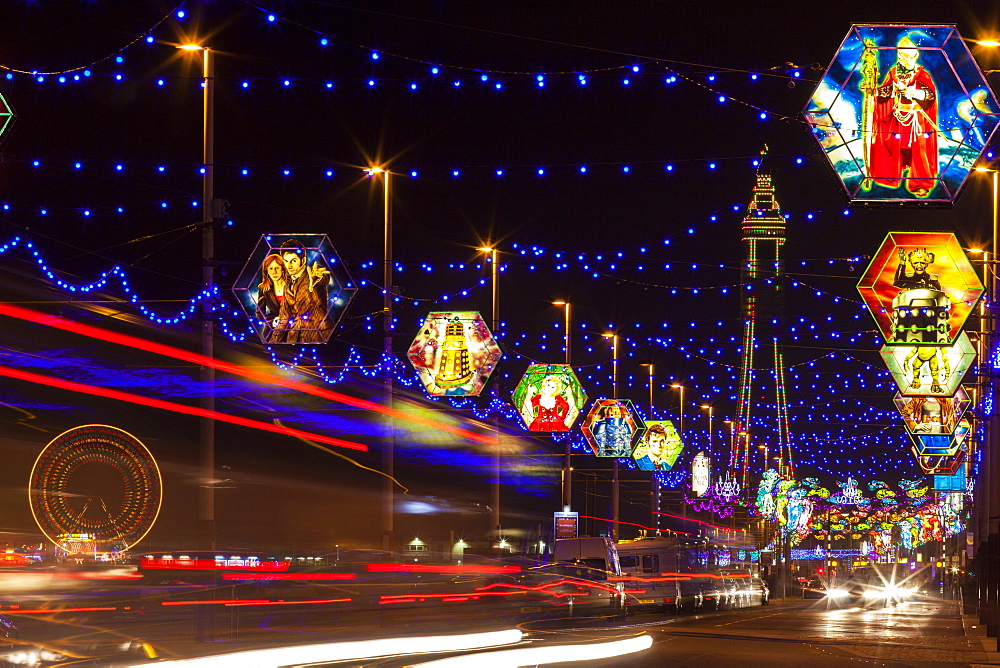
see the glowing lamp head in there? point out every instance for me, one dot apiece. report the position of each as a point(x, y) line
point(191, 47)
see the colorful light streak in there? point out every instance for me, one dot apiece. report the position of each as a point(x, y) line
point(237, 370)
point(93, 390)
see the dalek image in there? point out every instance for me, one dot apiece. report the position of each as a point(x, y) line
point(921, 316)
point(455, 368)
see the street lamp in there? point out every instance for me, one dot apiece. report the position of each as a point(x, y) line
point(764, 448)
point(565, 306)
point(614, 363)
point(655, 501)
point(650, 365)
point(710, 413)
point(681, 411)
point(567, 477)
point(495, 487)
point(388, 464)
point(206, 459)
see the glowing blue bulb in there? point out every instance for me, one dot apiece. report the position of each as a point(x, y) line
point(625, 82)
point(499, 85)
point(670, 168)
point(413, 86)
point(36, 163)
point(329, 172)
point(635, 68)
point(371, 82)
point(847, 212)
point(499, 172)
point(62, 79)
point(711, 165)
point(374, 55)
point(287, 82)
point(413, 173)
point(625, 169)
point(798, 161)
point(583, 82)
point(484, 77)
point(121, 210)
point(541, 84)
point(201, 170)
point(541, 172)
point(119, 59)
point(10, 75)
point(323, 41)
point(40, 79)
point(86, 212)
point(454, 172)
point(796, 74)
point(149, 39)
point(161, 168)
point(118, 77)
point(77, 165)
point(763, 115)
point(722, 98)
point(711, 77)
point(119, 167)
point(286, 172)
point(753, 77)
point(246, 84)
point(163, 205)
point(43, 212)
point(457, 82)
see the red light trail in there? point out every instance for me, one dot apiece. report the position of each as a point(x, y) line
point(234, 369)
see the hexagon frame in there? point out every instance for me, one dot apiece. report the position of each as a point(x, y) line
point(959, 357)
point(951, 410)
point(592, 432)
point(340, 289)
point(527, 396)
point(887, 280)
point(640, 453)
point(472, 353)
point(854, 127)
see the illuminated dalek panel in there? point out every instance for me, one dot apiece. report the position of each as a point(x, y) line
point(455, 366)
point(921, 316)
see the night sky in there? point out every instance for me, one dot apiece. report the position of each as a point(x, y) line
point(623, 198)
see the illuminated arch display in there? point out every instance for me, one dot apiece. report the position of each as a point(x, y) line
point(903, 113)
point(294, 288)
point(920, 287)
point(454, 353)
point(76, 518)
point(612, 428)
point(549, 397)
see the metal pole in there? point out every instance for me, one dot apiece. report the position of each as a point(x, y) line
point(567, 458)
point(495, 487)
point(388, 463)
point(206, 491)
point(992, 561)
point(615, 480)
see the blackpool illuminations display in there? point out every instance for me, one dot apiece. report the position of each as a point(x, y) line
point(659, 448)
point(903, 113)
point(71, 500)
point(612, 428)
point(294, 289)
point(454, 353)
point(549, 397)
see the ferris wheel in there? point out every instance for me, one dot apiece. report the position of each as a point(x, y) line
point(95, 489)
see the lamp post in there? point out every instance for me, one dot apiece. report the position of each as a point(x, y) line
point(567, 481)
point(711, 411)
point(732, 442)
point(206, 458)
point(615, 485)
point(989, 545)
point(495, 486)
point(388, 463)
point(654, 503)
point(679, 386)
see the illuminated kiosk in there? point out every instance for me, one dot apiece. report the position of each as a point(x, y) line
point(85, 520)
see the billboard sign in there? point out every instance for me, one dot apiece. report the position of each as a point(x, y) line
point(701, 474)
point(920, 287)
point(929, 370)
point(454, 353)
point(659, 447)
point(549, 397)
point(294, 289)
point(612, 427)
point(567, 524)
point(902, 114)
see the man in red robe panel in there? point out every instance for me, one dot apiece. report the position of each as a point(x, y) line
point(904, 145)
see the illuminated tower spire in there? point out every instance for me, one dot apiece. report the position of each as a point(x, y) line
point(762, 306)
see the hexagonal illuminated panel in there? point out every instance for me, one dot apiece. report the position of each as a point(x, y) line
point(294, 289)
point(920, 287)
point(6, 116)
point(903, 113)
point(454, 353)
point(612, 428)
point(933, 371)
point(549, 397)
point(659, 447)
point(932, 415)
point(929, 445)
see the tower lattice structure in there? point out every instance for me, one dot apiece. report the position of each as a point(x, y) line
point(761, 429)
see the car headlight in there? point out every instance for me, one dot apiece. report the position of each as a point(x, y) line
point(837, 593)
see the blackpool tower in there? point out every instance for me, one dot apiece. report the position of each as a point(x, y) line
point(761, 437)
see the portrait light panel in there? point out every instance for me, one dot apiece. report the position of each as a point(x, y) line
point(920, 287)
point(932, 415)
point(659, 447)
point(549, 397)
point(294, 289)
point(612, 428)
point(454, 353)
point(902, 113)
point(929, 370)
